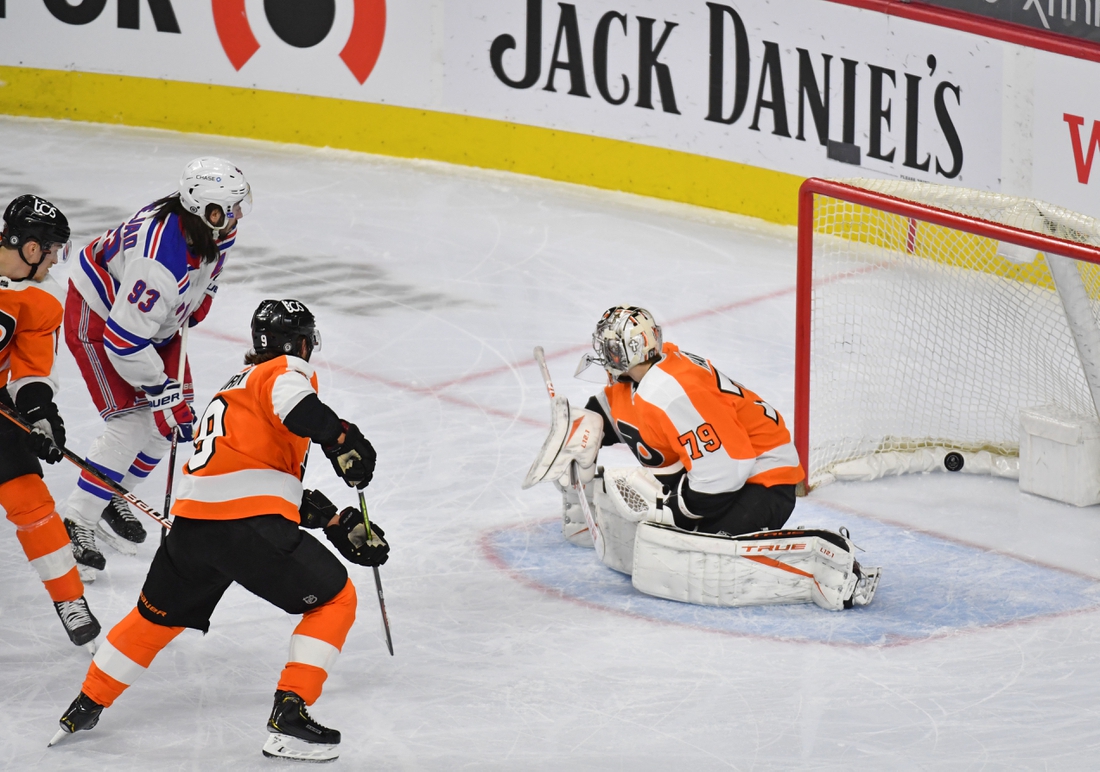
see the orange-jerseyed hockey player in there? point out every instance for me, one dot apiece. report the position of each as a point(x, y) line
point(724, 454)
point(717, 481)
point(237, 516)
point(35, 237)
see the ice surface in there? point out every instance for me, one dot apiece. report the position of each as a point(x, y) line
point(514, 650)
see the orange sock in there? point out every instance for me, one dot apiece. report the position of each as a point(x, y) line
point(315, 644)
point(126, 654)
point(42, 535)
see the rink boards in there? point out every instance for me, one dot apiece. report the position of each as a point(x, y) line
point(931, 587)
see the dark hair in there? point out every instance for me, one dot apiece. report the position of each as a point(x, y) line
point(252, 358)
point(200, 236)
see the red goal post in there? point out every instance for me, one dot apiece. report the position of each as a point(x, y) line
point(928, 316)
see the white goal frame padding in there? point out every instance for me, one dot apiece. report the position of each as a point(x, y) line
point(928, 316)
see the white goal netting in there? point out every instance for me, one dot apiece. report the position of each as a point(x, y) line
point(925, 338)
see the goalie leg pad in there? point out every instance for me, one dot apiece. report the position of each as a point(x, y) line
point(769, 567)
point(617, 526)
point(624, 497)
point(573, 525)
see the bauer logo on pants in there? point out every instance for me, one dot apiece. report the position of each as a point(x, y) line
point(304, 24)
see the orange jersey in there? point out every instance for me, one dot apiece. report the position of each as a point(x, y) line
point(685, 414)
point(246, 461)
point(30, 317)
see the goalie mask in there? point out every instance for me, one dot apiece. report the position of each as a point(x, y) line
point(217, 182)
point(278, 325)
point(625, 336)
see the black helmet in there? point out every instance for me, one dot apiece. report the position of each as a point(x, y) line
point(278, 324)
point(30, 218)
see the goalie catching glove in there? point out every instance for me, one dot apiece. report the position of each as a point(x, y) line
point(349, 536)
point(35, 402)
point(354, 458)
point(575, 435)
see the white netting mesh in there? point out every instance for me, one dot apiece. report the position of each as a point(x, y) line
point(923, 336)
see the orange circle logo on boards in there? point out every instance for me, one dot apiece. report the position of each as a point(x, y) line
point(303, 24)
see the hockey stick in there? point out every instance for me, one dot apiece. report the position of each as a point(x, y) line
point(574, 468)
point(377, 576)
point(91, 471)
point(181, 372)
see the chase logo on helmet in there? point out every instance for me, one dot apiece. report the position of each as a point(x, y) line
point(207, 181)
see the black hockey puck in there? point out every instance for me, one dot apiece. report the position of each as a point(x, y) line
point(953, 462)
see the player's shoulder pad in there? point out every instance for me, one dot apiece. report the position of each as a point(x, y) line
point(660, 388)
point(53, 287)
point(168, 247)
point(299, 365)
point(49, 285)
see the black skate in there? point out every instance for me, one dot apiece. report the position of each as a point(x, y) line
point(79, 622)
point(295, 735)
point(84, 549)
point(82, 714)
point(119, 516)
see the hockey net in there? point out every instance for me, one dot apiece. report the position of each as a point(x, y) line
point(928, 316)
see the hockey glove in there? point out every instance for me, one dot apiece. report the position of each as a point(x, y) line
point(47, 437)
point(349, 536)
point(170, 410)
point(353, 459)
point(200, 313)
point(316, 510)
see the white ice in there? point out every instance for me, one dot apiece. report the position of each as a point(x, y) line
point(432, 284)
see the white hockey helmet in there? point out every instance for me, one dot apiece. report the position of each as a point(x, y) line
point(215, 181)
point(625, 336)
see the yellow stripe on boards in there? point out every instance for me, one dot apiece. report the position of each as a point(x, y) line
point(403, 132)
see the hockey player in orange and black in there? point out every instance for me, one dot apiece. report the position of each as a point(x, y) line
point(35, 237)
point(237, 516)
point(724, 454)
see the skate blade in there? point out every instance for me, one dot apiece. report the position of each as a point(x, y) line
point(283, 746)
point(61, 735)
point(92, 646)
point(105, 535)
point(87, 573)
point(865, 589)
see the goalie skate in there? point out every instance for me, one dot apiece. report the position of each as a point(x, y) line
point(113, 540)
point(867, 584)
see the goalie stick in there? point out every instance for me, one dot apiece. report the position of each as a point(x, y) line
point(377, 576)
point(574, 469)
point(91, 471)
